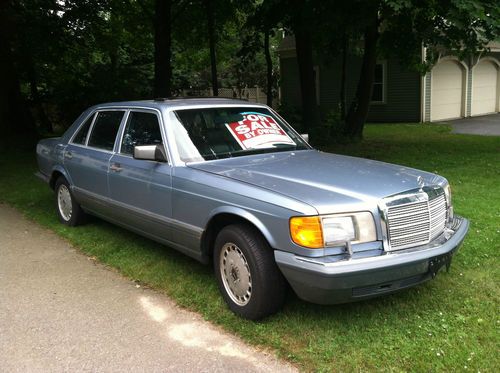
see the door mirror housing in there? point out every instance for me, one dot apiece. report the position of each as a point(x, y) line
point(305, 136)
point(150, 153)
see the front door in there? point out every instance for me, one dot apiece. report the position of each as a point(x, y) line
point(140, 190)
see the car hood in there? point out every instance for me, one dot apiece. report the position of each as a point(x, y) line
point(329, 182)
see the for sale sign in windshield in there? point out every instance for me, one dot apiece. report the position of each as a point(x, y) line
point(258, 130)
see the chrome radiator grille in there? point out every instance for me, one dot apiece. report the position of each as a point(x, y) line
point(437, 208)
point(417, 221)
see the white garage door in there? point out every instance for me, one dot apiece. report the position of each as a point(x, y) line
point(447, 91)
point(484, 88)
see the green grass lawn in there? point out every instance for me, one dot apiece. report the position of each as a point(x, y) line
point(449, 324)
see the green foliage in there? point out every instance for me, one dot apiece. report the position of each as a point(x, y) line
point(72, 54)
point(449, 324)
point(91, 51)
point(337, 128)
point(292, 115)
point(84, 52)
point(459, 27)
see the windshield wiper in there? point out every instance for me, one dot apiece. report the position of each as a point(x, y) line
point(242, 152)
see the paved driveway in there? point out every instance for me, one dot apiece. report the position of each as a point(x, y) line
point(62, 312)
point(487, 125)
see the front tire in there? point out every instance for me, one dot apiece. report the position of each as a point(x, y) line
point(248, 277)
point(69, 211)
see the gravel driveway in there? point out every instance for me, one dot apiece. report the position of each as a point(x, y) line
point(62, 311)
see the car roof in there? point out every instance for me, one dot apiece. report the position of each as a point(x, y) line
point(160, 103)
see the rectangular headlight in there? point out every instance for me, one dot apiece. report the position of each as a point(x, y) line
point(356, 228)
point(447, 194)
point(338, 229)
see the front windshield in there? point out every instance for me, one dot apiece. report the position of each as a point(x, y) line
point(222, 132)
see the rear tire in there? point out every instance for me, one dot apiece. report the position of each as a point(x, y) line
point(248, 277)
point(69, 211)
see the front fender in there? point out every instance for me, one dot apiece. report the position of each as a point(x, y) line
point(244, 214)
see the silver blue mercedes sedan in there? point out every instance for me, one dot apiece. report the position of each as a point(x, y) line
point(230, 183)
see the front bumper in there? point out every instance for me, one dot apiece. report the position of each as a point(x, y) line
point(323, 281)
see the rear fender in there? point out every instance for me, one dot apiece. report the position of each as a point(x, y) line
point(56, 170)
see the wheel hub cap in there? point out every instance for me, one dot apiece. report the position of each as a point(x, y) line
point(235, 274)
point(64, 202)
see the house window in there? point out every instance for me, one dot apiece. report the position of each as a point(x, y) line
point(378, 95)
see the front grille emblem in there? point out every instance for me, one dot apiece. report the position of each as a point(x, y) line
point(420, 181)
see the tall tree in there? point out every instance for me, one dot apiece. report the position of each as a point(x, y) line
point(208, 36)
point(269, 68)
point(212, 35)
point(307, 79)
point(45, 122)
point(301, 21)
point(343, 76)
point(163, 48)
point(263, 18)
point(358, 110)
point(15, 117)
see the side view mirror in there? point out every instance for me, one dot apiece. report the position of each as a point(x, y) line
point(305, 136)
point(150, 153)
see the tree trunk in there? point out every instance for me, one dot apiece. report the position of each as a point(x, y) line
point(211, 41)
point(15, 118)
point(269, 65)
point(358, 110)
point(310, 114)
point(113, 51)
point(163, 48)
point(45, 122)
point(343, 74)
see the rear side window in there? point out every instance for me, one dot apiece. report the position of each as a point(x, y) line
point(81, 136)
point(105, 129)
point(141, 129)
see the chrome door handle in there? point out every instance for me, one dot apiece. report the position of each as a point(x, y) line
point(115, 167)
point(68, 155)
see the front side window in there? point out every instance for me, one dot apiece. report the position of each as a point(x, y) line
point(105, 129)
point(141, 129)
point(81, 136)
point(222, 132)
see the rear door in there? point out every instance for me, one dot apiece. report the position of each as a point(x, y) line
point(140, 190)
point(86, 158)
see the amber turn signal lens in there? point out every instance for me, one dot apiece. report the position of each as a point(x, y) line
point(306, 231)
